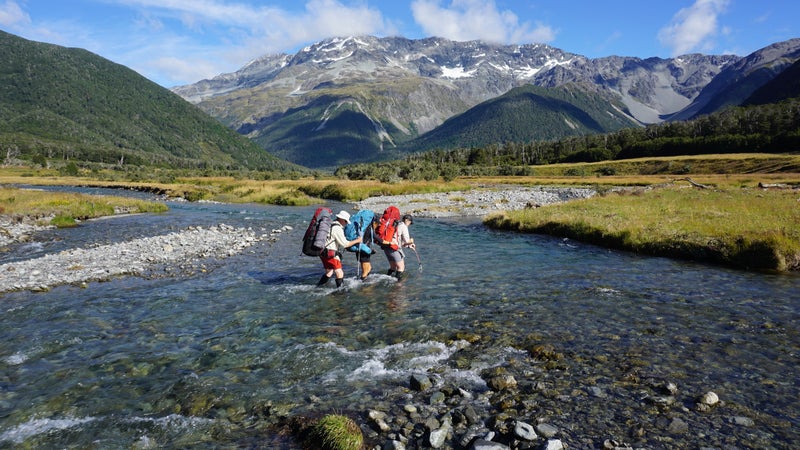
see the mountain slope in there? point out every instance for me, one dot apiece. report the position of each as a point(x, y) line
point(785, 85)
point(529, 113)
point(739, 80)
point(57, 102)
point(408, 87)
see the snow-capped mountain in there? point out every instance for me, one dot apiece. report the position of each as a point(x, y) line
point(395, 89)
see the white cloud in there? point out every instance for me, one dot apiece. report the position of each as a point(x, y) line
point(12, 16)
point(180, 69)
point(693, 28)
point(217, 36)
point(465, 20)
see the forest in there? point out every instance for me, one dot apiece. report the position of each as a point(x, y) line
point(770, 128)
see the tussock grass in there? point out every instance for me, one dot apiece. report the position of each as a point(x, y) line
point(336, 432)
point(748, 228)
point(64, 209)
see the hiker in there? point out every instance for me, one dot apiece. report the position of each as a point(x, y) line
point(365, 250)
point(394, 252)
point(332, 255)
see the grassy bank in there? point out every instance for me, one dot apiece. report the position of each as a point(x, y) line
point(299, 192)
point(747, 228)
point(64, 209)
point(731, 170)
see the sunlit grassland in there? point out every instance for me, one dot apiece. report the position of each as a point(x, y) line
point(743, 227)
point(63, 209)
point(731, 170)
point(300, 192)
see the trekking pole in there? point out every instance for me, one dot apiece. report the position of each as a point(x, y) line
point(418, 260)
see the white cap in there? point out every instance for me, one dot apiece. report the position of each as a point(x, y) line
point(344, 215)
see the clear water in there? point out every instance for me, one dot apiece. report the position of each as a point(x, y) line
point(174, 362)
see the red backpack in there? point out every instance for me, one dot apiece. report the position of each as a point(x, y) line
point(387, 226)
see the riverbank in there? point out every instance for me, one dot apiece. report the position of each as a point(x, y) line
point(476, 202)
point(751, 229)
point(185, 252)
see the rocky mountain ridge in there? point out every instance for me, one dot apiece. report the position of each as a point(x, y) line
point(398, 89)
point(478, 70)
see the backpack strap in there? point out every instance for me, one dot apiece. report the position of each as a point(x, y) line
point(330, 233)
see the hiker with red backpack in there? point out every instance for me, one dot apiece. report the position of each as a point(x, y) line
point(331, 255)
point(393, 246)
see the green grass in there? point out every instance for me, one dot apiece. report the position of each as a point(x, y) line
point(65, 209)
point(747, 228)
point(336, 432)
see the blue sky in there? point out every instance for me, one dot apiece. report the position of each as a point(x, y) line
point(176, 42)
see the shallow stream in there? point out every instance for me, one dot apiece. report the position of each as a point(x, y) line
point(172, 362)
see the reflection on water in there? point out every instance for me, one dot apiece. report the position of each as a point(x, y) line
point(170, 362)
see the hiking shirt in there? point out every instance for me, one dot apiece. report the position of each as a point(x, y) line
point(401, 236)
point(336, 240)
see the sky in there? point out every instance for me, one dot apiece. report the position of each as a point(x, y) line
point(179, 42)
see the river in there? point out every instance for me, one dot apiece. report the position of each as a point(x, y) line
point(185, 362)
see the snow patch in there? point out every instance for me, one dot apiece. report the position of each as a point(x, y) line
point(329, 60)
point(456, 72)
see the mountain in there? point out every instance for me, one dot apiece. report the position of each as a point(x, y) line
point(740, 80)
point(785, 85)
point(383, 92)
point(70, 104)
point(530, 113)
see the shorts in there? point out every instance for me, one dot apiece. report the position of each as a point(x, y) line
point(394, 255)
point(363, 256)
point(330, 260)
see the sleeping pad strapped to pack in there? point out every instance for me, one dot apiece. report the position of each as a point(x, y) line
point(319, 228)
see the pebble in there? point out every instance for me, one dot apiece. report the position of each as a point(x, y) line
point(185, 250)
point(476, 202)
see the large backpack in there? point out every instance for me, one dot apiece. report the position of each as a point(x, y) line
point(387, 226)
point(359, 223)
point(319, 228)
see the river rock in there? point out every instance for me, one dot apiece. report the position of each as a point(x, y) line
point(420, 382)
point(524, 431)
point(553, 444)
point(709, 398)
point(678, 426)
point(439, 435)
point(502, 382)
point(482, 444)
point(546, 430)
point(742, 421)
